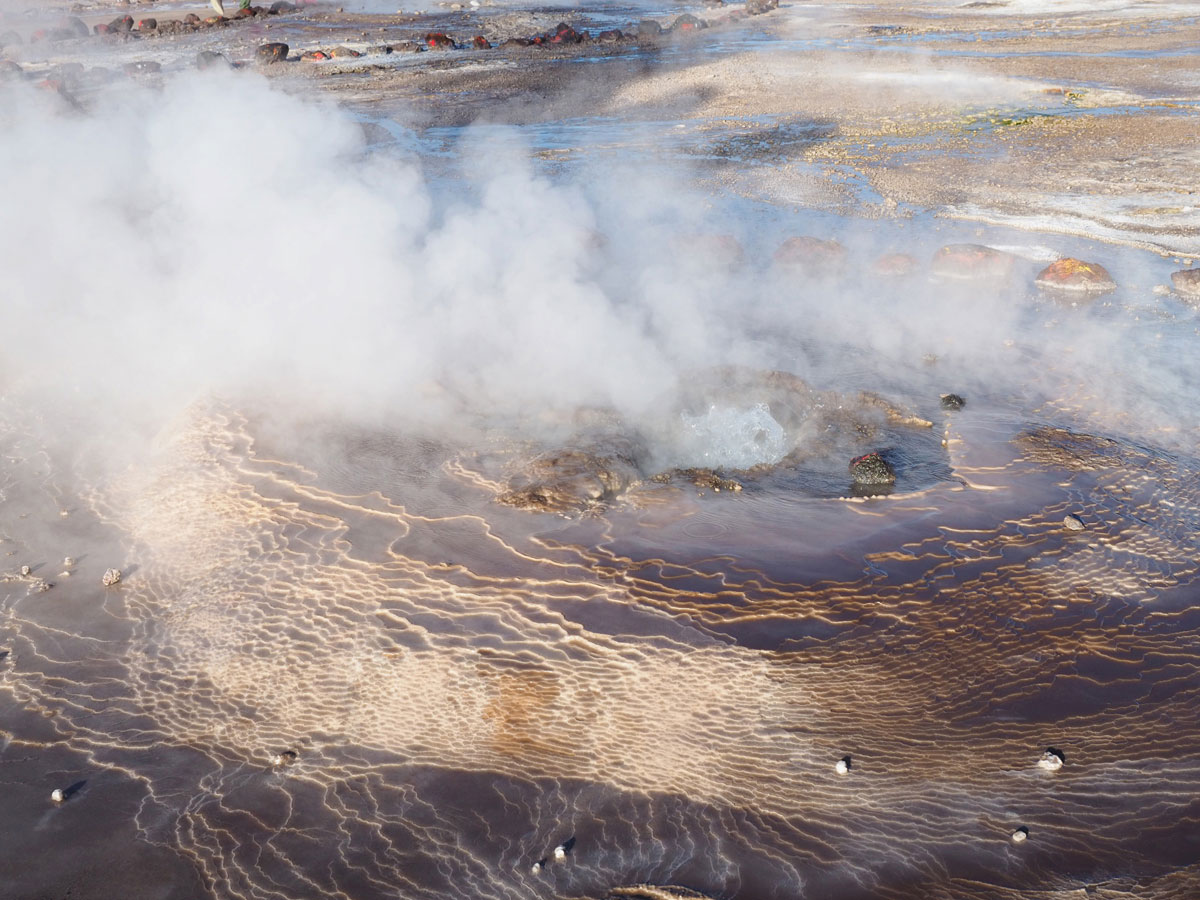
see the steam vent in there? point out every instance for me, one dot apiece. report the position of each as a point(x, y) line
point(502, 450)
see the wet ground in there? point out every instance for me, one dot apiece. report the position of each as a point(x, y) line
point(308, 330)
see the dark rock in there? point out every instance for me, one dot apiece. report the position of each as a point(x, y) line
point(437, 40)
point(649, 28)
point(974, 263)
point(516, 42)
point(408, 47)
point(702, 478)
point(147, 25)
point(688, 22)
point(1187, 282)
point(281, 6)
point(758, 7)
point(812, 256)
point(67, 74)
point(191, 19)
point(142, 67)
point(244, 13)
point(953, 401)
point(1076, 277)
point(208, 59)
point(315, 56)
point(125, 23)
point(576, 480)
point(481, 43)
point(382, 50)
point(274, 52)
point(100, 29)
point(611, 36)
point(77, 27)
point(344, 53)
point(872, 470)
point(565, 34)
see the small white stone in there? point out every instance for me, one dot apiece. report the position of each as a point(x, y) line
point(25, 571)
point(1020, 835)
point(56, 795)
point(842, 766)
point(1051, 760)
point(111, 577)
point(68, 561)
point(560, 852)
point(1073, 523)
point(536, 867)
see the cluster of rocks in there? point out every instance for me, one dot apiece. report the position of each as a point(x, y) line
point(126, 26)
point(973, 265)
point(604, 459)
point(562, 35)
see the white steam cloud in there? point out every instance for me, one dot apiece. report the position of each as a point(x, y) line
point(220, 237)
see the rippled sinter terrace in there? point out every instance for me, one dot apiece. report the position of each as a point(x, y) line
point(335, 666)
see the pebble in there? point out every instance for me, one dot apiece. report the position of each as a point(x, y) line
point(537, 866)
point(952, 401)
point(57, 795)
point(287, 757)
point(842, 766)
point(1073, 523)
point(25, 570)
point(1020, 835)
point(110, 577)
point(560, 852)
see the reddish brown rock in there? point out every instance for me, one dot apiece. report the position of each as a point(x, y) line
point(274, 52)
point(191, 19)
point(481, 43)
point(314, 56)
point(147, 25)
point(344, 53)
point(125, 23)
point(894, 265)
point(974, 263)
point(1075, 276)
point(812, 256)
point(565, 34)
point(244, 13)
point(207, 59)
point(1187, 282)
point(437, 40)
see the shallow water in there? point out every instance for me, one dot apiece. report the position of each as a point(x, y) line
point(666, 682)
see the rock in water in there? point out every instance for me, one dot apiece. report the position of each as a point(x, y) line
point(110, 577)
point(437, 40)
point(842, 766)
point(1020, 835)
point(1076, 277)
point(57, 795)
point(1052, 760)
point(1187, 282)
point(871, 470)
point(973, 262)
point(953, 401)
point(271, 53)
point(1073, 523)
